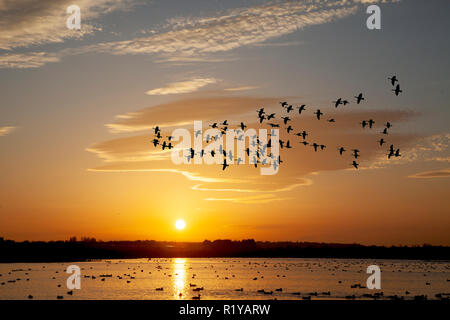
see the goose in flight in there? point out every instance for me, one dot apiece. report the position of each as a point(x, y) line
point(318, 113)
point(397, 90)
point(285, 119)
point(271, 116)
point(371, 123)
point(381, 141)
point(393, 80)
point(301, 108)
point(356, 153)
point(155, 142)
point(341, 150)
point(337, 102)
point(359, 98)
point(224, 164)
point(355, 164)
point(315, 146)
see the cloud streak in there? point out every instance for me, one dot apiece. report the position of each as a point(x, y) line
point(444, 173)
point(6, 130)
point(182, 86)
point(24, 23)
point(185, 37)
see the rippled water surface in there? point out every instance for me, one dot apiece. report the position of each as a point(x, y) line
point(221, 278)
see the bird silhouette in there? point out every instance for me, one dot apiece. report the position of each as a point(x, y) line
point(337, 102)
point(286, 119)
point(363, 123)
point(315, 146)
point(385, 131)
point(381, 141)
point(301, 108)
point(371, 123)
point(393, 80)
point(243, 126)
point(271, 116)
point(318, 113)
point(155, 142)
point(397, 90)
point(356, 153)
point(224, 164)
point(341, 150)
point(388, 125)
point(331, 120)
point(359, 98)
point(355, 164)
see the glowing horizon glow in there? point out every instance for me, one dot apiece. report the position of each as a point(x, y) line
point(180, 224)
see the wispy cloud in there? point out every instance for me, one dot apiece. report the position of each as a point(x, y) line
point(182, 86)
point(305, 182)
point(242, 88)
point(444, 173)
point(6, 130)
point(257, 199)
point(24, 23)
point(185, 38)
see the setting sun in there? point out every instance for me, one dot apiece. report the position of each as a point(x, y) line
point(180, 224)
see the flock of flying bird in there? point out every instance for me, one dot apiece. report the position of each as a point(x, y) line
point(258, 154)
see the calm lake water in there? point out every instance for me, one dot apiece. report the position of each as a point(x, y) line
point(221, 277)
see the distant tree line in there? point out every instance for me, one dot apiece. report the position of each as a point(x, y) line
point(90, 248)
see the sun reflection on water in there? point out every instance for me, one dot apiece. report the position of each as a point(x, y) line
point(179, 278)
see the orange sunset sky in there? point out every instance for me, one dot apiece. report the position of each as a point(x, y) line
point(77, 110)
